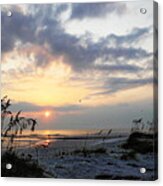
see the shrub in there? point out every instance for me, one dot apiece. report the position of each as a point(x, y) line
point(21, 167)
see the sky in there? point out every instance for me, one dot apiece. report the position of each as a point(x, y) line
point(80, 65)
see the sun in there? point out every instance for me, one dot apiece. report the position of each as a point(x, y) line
point(47, 114)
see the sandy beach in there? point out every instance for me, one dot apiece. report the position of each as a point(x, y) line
point(94, 158)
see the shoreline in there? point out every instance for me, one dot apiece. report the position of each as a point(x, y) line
point(71, 158)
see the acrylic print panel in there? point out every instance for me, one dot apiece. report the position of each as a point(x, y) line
point(79, 90)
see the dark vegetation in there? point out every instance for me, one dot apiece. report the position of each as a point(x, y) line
point(85, 151)
point(131, 155)
point(13, 125)
point(21, 167)
point(141, 141)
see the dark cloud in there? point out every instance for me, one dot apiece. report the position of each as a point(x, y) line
point(96, 10)
point(42, 27)
point(30, 107)
point(113, 85)
point(61, 8)
point(135, 35)
point(79, 57)
point(83, 58)
point(126, 53)
point(25, 107)
point(16, 28)
point(70, 108)
point(41, 59)
point(25, 27)
point(120, 67)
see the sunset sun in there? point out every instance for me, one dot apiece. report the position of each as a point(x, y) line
point(47, 114)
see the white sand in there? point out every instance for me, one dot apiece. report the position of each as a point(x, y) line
point(60, 161)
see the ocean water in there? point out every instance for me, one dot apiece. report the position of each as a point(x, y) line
point(44, 137)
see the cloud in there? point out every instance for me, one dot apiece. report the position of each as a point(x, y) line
point(19, 27)
point(135, 35)
point(26, 107)
point(69, 108)
point(96, 10)
point(113, 85)
point(81, 58)
point(30, 107)
point(40, 27)
point(24, 28)
point(119, 68)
